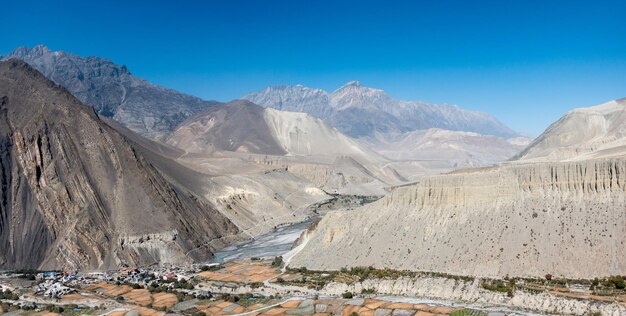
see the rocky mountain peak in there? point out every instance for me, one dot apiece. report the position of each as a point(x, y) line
point(354, 83)
point(353, 94)
point(25, 52)
point(113, 91)
point(360, 111)
point(239, 103)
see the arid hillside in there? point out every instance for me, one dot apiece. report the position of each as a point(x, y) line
point(76, 194)
point(525, 219)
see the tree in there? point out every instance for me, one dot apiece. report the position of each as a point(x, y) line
point(277, 262)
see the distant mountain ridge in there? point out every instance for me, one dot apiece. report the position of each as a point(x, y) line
point(452, 149)
point(113, 91)
point(242, 126)
point(360, 111)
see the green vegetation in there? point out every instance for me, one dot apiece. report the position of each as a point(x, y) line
point(499, 286)
point(277, 262)
point(368, 291)
point(55, 309)
point(182, 284)
point(347, 295)
point(8, 295)
point(616, 281)
point(212, 268)
point(318, 279)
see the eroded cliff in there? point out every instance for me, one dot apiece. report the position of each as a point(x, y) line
point(566, 219)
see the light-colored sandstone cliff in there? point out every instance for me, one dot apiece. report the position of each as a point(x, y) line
point(527, 220)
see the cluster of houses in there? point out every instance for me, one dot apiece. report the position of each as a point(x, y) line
point(55, 285)
point(6, 287)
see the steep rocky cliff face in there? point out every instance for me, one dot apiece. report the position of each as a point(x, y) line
point(566, 219)
point(78, 195)
point(113, 91)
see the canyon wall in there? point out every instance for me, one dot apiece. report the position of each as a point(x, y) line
point(525, 220)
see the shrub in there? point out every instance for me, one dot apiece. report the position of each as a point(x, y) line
point(509, 293)
point(180, 297)
point(368, 291)
point(55, 309)
point(497, 286)
point(617, 281)
point(548, 276)
point(347, 295)
point(277, 262)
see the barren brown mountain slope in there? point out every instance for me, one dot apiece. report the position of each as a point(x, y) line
point(76, 194)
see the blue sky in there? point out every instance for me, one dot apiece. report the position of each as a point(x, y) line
point(526, 62)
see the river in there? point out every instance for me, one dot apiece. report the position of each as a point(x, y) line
point(272, 244)
point(280, 241)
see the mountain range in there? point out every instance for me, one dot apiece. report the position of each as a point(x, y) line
point(206, 173)
point(359, 111)
point(377, 121)
point(242, 126)
point(113, 91)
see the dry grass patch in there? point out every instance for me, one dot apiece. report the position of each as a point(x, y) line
point(143, 311)
point(399, 306)
point(275, 311)
point(291, 304)
point(242, 272)
point(164, 300)
point(139, 296)
point(374, 304)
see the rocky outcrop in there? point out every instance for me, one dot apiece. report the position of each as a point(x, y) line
point(78, 195)
point(523, 220)
point(113, 91)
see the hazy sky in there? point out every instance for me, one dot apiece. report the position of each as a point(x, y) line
point(526, 62)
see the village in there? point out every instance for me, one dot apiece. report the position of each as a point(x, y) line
point(265, 287)
point(247, 287)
